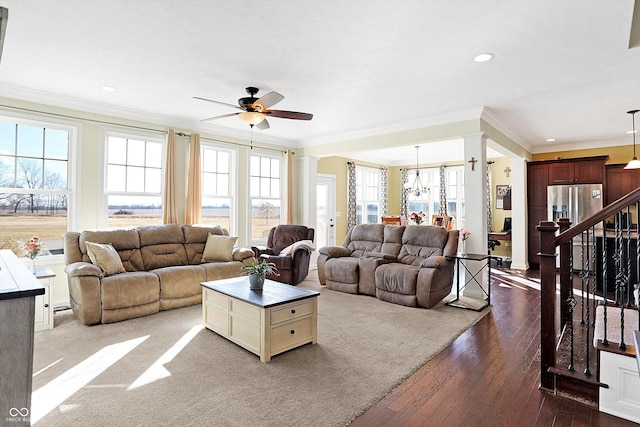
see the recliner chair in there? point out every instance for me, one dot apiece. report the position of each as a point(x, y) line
point(292, 267)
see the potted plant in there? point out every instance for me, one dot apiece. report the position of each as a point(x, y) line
point(257, 272)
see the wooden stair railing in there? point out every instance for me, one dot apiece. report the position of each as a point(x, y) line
point(593, 227)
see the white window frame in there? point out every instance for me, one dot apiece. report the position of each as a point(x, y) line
point(432, 198)
point(361, 184)
point(233, 181)
point(271, 155)
point(73, 163)
point(103, 221)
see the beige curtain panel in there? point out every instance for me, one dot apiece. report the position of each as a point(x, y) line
point(193, 214)
point(169, 207)
point(287, 157)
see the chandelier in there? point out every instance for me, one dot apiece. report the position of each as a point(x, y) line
point(417, 188)
point(633, 163)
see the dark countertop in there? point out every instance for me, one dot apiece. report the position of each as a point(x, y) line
point(16, 281)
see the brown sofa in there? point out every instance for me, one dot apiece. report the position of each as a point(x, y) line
point(162, 270)
point(399, 264)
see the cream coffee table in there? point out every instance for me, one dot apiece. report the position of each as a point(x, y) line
point(267, 322)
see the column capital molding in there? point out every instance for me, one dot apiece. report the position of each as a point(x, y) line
point(476, 135)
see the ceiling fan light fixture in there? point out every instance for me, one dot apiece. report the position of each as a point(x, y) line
point(634, 163)
point(252, 118)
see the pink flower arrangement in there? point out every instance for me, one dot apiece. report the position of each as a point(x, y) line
point(465, 234)
point(417, 217)
point(33, 248)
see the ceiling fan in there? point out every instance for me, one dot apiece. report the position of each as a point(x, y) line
point(254, 111)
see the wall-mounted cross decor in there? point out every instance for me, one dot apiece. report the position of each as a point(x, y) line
point(473, 163)
point(508, 171)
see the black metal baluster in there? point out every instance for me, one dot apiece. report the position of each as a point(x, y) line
point(571, 303)
point(605, 273)
point(587, 370)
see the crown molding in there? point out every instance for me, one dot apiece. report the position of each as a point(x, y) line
point(82, 105)
point(423, 122)
point(582, 145)
point(490, 117)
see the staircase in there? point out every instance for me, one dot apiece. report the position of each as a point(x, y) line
point(589, 309)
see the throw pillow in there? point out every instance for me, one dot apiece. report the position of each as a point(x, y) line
point(218, 248)
point(105, 257)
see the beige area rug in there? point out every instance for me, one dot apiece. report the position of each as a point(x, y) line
point(164, 369)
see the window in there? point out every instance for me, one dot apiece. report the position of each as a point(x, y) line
point(367, 195)
point(218, 201)
point(35, 193)
point(429, 202)
point(133, 184)
point(265, 194)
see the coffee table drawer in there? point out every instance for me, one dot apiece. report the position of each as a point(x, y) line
point(290, 335)
point(291, 311)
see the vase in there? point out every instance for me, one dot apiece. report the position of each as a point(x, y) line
point(256, 281)
point(32, 265)
point(464, 248)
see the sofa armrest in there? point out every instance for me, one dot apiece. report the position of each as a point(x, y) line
point(261, 250)
point(78, 269)
point(334, 251)
point(434, 262)
point(241, 254)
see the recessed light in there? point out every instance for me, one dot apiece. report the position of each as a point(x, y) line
point(108, 88)
point(483, 57)
point(550, 140)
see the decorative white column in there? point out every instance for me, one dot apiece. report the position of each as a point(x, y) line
point(475, 205)
point(519, 243)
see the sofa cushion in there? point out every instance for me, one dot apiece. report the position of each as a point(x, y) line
point(397, 278)
point(218, 248)
point(342, 270)
point(420, 242)
point(195, 238)
point(125, 241)
point(105, 257)
point(129, 290)
point(365, 238)
point(179, 282)
point(162, 246)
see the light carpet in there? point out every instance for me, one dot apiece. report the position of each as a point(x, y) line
point(164, 369)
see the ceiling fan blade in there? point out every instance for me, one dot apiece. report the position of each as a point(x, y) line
point(266, 101)
point(263, 125)
point(289, 114)
point(220, 117)
point(218, 102)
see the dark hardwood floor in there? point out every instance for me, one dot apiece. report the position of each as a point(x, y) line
point(489, 376)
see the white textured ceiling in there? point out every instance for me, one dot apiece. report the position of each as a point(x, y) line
point(562, 68)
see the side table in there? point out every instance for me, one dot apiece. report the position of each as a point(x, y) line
point(44, 308)
point(461, 260)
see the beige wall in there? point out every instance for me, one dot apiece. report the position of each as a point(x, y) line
point(618, 154)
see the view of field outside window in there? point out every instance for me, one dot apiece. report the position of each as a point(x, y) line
point(217, 187)
point(264, 194)
point(34, 194)
point(367, 195)
point(134, 181)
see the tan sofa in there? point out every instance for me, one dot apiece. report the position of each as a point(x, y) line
point(399, 264)
point(162, 270)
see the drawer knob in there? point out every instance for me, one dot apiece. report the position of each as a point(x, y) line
point(293, 311)
point(293, 331)
point(46, 306)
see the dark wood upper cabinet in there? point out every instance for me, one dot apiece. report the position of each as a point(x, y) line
point(577, 172)
point(541, 174)
point(620, 182)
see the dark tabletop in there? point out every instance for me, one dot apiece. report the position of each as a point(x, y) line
point(272, 294)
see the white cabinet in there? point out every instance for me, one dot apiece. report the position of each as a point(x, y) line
point(44, 308)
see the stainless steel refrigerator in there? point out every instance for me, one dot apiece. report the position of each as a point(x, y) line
point(576, 202)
